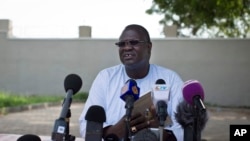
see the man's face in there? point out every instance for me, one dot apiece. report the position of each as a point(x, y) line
point(134, 49)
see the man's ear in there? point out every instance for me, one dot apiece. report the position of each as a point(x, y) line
point(149, 48)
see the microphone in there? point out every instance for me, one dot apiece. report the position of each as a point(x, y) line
point(95, 117)
point(29, 137)
point(145, 135)
point(130, 93)
point(160, 96)
point(186, 117)
point(72, 84)
point(191, 113)
point(193, 93)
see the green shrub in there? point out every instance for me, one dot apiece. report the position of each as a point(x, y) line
point(12, 100)
point(81, 97)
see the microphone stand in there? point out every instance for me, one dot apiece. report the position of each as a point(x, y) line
point(129, 107)
point(127, 135)
point(196, 128)
point(162, 115)
point(199, 109)
point(68, 137)
point(56, 136)
point(161, 132)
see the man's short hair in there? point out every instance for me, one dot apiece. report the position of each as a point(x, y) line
point(142, 30)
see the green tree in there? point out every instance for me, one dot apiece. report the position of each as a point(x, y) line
point(215, 18)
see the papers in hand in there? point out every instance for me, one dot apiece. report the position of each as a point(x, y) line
point(144, 103)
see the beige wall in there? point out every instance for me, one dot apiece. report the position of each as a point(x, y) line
point(39, 66)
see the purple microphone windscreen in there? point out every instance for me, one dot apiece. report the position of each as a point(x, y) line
point(96, 113)
point(73, 82)
point(29, 137)
point(192, 88)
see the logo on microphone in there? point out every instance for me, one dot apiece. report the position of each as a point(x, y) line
point(160, 88)
point(124, 88)
point(61, 129)
point(135, 90)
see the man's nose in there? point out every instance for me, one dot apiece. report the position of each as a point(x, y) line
point(128, 46)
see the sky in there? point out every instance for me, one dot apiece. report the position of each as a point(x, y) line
point(61, 18)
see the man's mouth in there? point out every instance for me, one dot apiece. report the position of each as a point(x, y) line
point(127, 55)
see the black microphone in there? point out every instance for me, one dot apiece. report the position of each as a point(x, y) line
point(191, 113)
point(186, 116)
point(29, 137)
point(95, 117)
point(160, 96)
point(72, 84)
point(145, 135)
point(130, 93)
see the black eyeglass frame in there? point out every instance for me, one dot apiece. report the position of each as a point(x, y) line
point(131, 43)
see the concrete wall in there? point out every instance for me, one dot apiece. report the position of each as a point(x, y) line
point(39, 66)
point(222, 66)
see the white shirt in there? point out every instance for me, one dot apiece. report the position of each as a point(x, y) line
point(106, 89)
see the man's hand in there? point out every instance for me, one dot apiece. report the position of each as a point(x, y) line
point(118, 129)
point(138, 122)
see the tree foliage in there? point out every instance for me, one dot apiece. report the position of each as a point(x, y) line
point(215, 18)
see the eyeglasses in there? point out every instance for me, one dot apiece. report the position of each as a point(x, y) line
point(130, 43)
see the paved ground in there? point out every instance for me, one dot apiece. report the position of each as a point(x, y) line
point(41, 121)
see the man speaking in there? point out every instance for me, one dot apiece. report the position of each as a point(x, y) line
point(134, 47)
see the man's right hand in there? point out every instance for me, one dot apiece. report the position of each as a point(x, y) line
point(118, 129)
point(138, 121)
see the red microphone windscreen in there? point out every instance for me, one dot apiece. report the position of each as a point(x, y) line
point(192, 88)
